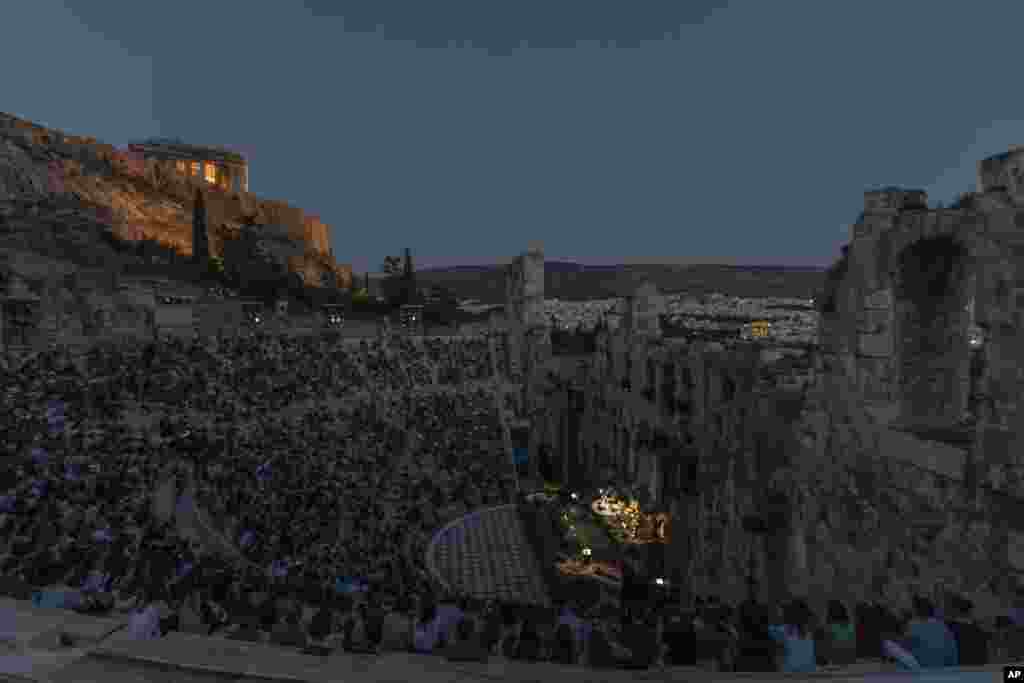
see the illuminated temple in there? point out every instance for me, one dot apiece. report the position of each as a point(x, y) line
point(222, 168)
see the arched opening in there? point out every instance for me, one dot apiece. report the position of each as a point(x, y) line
point(624, 445)
point(931, 301)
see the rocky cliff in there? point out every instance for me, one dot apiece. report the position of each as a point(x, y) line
point(84, 190)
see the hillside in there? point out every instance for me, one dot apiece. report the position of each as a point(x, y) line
point(575, 282)
point(72, 198)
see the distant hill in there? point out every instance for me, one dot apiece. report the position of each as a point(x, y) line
point(577, 282)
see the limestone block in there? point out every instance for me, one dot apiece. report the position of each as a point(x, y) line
point(875, 345)
point(880, 299)
point(1015, 550)
point(998, 445)
point(893, 199)
point(874, 321)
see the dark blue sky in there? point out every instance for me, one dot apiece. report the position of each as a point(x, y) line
point(741, 132)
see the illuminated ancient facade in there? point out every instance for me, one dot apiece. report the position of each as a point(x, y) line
point(218, 167)
point(691, 427)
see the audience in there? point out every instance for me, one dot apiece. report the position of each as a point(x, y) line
point(377, 443)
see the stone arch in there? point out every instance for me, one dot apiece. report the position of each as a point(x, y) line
point(932, 287)
point(625, 445)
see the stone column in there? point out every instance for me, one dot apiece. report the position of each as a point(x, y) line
point(659, 373)
point(797, 570)
point(682, 530)
point(654, 474)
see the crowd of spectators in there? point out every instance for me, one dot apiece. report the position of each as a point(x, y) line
point(264, 372)
point(77, 487)
point(330, 511)
point(347, 493)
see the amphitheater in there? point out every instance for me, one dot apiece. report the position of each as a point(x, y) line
point(879, 463)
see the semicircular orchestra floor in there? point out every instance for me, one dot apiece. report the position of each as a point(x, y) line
point(486, 555)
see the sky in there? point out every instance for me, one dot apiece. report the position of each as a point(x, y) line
point(609, 132)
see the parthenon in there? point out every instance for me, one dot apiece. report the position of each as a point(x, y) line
point(220, 167)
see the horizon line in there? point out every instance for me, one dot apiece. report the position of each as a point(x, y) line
point(438, 264)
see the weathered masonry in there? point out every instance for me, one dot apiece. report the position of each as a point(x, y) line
point(218, 167)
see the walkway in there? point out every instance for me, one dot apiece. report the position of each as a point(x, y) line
point(106, 656)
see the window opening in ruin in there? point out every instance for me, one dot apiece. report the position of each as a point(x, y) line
point(20, 320)
point(932, 318)
point(728, 389)
point(668, 389)
point(196, 168)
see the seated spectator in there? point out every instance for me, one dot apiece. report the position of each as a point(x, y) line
point(972, 640)
point(289, 632)
point(190, 617)
point(715, 641)
point(680, 638)
point(1016, 613)
point(214, 614)
point(600, 651)
point(468, 647)
point(641, 638)
point(1007, 640)
point(144, 623)
point(564, 649)
point(894, 650)
point(756, 649)
point(796, 638)
point(528, 645)
point(15, 587)
point(490, 634)
point(397, 626)
point(372, 618)
point(248, 630)
point(927, 638)
point(510, 632)
point(425, 637)
point(838, 638)
point(449, 612)
point(264, 606)
point(322, 624)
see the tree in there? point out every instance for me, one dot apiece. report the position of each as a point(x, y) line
point(394, 291)
point(399, 285)
point(391, 268)
point(360, 297)
point(407, 269)
point(200, 232)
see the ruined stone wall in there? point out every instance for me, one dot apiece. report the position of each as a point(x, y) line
point(871, 511)
point(917, 286)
